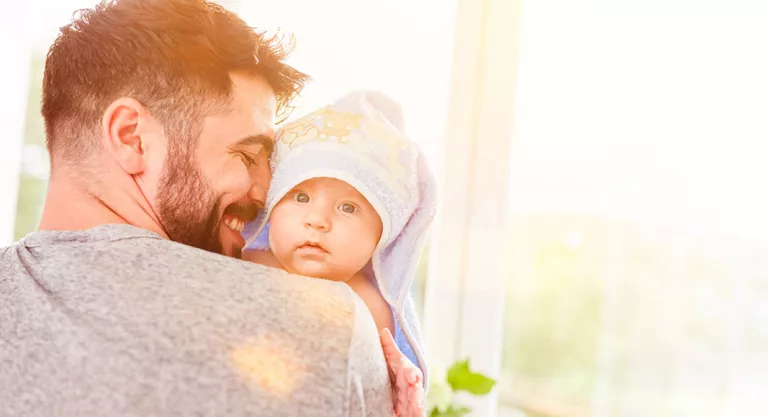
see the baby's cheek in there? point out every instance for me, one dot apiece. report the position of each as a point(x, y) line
point(277, 240)
point(357, 257)
point(278, 249)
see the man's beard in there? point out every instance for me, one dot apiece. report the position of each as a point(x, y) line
point(188, 208)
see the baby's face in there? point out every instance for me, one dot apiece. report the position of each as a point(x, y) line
point(324, 228)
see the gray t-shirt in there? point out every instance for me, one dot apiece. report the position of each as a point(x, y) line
point(117, 321)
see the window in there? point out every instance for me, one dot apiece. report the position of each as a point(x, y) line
point(638, 256)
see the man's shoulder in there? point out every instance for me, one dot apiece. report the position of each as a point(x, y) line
point(162, 257)
point(146, 300)
point(128, 258)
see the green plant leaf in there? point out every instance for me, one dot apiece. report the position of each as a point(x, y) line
point(462, 379)
point(450, 412)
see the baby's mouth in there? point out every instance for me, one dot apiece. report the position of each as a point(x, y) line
point(313, 247)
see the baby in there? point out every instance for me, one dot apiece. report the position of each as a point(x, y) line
point(351, 200)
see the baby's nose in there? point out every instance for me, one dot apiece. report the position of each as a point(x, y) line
point(317, 220)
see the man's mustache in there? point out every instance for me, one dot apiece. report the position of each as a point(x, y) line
point(245, 211)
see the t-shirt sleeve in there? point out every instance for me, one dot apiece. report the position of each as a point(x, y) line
point(369, 393)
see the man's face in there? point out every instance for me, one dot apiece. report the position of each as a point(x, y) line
point(206, 195)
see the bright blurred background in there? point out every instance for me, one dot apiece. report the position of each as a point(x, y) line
point(602, 243)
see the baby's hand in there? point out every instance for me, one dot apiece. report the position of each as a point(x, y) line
point(406, 379)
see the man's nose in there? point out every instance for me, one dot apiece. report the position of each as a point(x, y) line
point(317, 218)
point(259, 187)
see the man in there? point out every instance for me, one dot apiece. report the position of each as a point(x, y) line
point(159, 119)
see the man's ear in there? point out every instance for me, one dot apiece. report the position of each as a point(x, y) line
point(123, 125)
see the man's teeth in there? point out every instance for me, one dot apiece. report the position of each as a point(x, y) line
point(235, 224)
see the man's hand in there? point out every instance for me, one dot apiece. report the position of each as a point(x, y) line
point(408, 392)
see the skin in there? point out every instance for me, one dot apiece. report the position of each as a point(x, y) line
point(324, 228)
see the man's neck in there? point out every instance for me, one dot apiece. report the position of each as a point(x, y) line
point(71, 205)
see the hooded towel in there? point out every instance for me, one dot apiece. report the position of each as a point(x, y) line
point(359, 139)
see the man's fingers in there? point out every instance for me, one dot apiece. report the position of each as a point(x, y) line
point(402, 381)
point(400, 408)
point(416, 408)
point(412, 375)
point(408, 400)
point(406, 378)
point(387, 341)
point(404, 399)
point(391, 352)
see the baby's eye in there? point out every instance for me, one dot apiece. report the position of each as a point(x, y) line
point(301, 197)
point(348, 208)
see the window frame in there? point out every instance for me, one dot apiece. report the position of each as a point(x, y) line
point(467, 272)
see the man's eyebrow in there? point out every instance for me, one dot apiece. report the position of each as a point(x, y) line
point(264, 141)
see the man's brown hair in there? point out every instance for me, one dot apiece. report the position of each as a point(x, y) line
point(173, 56)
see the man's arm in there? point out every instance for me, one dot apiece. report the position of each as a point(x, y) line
point(369, 392)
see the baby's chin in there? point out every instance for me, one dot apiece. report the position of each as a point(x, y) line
point(317, 270)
